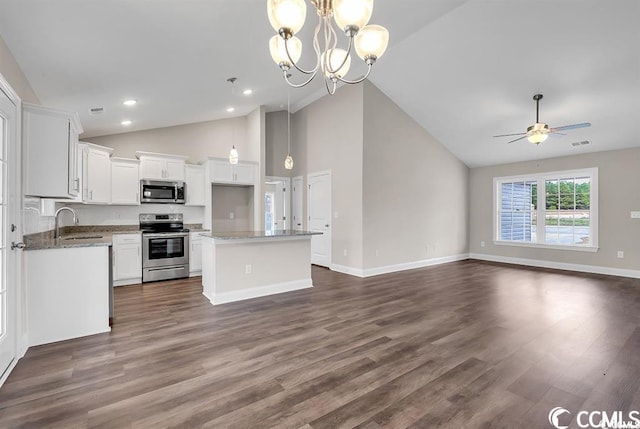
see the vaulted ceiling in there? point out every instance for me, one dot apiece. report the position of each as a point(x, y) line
point(465, 70)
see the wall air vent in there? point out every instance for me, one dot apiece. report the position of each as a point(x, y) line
point(582, 143)
point(96, 110)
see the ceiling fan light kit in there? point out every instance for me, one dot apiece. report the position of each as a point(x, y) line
point(351, 16)
point(539, 131)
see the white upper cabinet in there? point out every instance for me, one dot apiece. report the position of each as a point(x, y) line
point(242, 173)
point(96, 177)
point(50, 152)
point(195, 181)
point(125, 182)
point(159, 166)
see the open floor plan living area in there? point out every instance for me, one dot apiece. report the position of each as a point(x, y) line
point(317, 214)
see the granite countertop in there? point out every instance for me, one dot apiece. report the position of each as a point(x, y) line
point(244, 235)
point(85, 236)
point(78, 236)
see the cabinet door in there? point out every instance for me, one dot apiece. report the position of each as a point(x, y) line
point(152, 168)
point(98, 176)
point(222, 172)
point(74, 172)
point(174, 170)
point(125, 186)
point(127, 260)
point(194, 178)
point(245, 174)
point(195, 254)
point(46, 153)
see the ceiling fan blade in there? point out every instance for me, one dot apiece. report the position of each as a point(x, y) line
point(557, 134)
point(570, 127)
point(509, 135)
point(512, 141)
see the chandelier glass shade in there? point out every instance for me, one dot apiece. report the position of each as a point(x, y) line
point(351, 17)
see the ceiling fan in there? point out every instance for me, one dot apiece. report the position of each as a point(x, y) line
point(539, 132)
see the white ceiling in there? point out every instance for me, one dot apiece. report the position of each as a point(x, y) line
point(465, 70)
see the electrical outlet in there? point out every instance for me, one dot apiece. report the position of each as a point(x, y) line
point(345, 252)
point(248, 268)
point(482, 244)
point(232, 215)
point(620, 254)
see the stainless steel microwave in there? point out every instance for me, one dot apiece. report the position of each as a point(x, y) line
point(161, 192)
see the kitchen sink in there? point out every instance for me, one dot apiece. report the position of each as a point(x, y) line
point(86, 237)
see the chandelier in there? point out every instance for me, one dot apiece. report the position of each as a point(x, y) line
point(351, 16)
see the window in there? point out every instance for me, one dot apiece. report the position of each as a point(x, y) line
point(557, 210)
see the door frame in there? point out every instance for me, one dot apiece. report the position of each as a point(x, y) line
point(301, 192)
point(15, 158)
point(316, 174)
point(287, 195)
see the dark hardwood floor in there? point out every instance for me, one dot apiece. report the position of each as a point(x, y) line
point(467, 344)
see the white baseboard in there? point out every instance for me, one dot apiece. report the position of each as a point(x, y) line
point(126, 282)
point(376, 271)
point(225, 297)
point(620, 272)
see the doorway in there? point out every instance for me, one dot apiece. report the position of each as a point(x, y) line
point(11, 227)
point(277, 203)
point(319, 215)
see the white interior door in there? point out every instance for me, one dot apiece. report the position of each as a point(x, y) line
point(279, 188)
point(296, 204)
point(319, 210)
point(8, 231)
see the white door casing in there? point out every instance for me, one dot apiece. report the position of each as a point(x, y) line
point(319, 217)
point(10, 258)
point(297, 194)
point(282, 203)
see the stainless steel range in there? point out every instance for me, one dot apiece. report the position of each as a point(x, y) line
point(165, 247)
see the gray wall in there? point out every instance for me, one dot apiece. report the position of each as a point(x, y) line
point(618, 194)
point(328, 136)
point(276, 146)
point(415, 191)
point(198, 141)
point(12, 73)
point(232, 199)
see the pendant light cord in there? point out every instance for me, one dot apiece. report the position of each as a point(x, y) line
point(288, 121)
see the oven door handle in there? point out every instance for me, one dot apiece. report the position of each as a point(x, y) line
point(164, 234)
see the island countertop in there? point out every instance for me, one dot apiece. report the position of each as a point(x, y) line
point(259, 235)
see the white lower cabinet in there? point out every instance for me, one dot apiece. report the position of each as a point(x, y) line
point(195, 253)
point(127, 259)
point(67, 293)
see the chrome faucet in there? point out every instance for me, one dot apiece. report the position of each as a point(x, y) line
point(75, 219)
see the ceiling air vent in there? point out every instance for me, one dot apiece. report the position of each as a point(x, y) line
point(582, 143)
point(96, 110)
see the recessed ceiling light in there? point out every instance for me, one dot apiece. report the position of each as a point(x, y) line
point(126, 122)
point(131, 102)
point(230, 109)
point(247, 91)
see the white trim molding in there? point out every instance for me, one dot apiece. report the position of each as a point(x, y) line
point(376, 271)
point(609, 271)
point(225, 297)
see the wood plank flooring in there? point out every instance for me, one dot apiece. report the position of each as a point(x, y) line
point(464, 345)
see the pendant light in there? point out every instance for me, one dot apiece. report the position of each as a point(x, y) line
point(288, 161)
point(233, 153)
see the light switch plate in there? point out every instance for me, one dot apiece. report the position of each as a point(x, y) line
point(635, 215)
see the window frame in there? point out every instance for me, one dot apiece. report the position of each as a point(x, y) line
point(540, 178)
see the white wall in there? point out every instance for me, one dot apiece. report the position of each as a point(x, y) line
point(10, 70)
point(415, 191)
point(618, 194)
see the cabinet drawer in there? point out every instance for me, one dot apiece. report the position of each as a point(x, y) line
point(126, 238)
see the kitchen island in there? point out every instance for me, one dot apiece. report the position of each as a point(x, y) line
point(249, 264)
